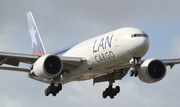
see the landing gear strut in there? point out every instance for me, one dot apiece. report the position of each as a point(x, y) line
point(52, 89)
point(134, 72)
point(110, 91)
point(136, 59)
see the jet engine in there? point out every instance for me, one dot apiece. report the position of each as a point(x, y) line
point(47, 66)
point(152, 70)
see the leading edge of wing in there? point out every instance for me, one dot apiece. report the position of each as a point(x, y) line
point(15, 58)
point(170, 62)
point(26, 58)
point(15, 69)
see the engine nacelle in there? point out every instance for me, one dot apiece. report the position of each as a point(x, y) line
point(152, 70)
point(47, 66)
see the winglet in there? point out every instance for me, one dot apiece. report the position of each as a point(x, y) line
point(37, 44)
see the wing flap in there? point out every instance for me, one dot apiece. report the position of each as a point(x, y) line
point(13, 62)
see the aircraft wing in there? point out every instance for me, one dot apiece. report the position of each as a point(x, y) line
point(14, 59)
point(121, 70)
point(170, 62)
point(70, 63)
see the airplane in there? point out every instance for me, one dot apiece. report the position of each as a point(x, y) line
point(104, 58)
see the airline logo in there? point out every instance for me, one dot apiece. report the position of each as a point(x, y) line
point(104, 43)
point(37, 45)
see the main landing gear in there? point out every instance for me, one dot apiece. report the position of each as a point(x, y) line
point(52, 89)
point(110, 91)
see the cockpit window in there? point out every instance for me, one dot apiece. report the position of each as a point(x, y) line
point(139, 35)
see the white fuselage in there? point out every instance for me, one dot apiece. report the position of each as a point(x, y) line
point(105, 52)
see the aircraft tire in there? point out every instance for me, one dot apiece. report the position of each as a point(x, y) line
point(59, 87)
point(117, 89)
point(131, 73)
point(112, 95)
point(54, 93)
point(135, 73)
point(104, 94)
point(46, 92)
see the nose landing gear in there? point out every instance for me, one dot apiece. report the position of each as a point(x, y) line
point(134, 72)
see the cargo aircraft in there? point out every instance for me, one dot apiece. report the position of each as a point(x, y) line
point(107, 57)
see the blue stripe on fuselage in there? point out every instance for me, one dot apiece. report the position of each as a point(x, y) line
point(62, 51)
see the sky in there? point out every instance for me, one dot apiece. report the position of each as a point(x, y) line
point(63, 23)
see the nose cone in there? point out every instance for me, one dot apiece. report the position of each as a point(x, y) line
point(140, 46)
